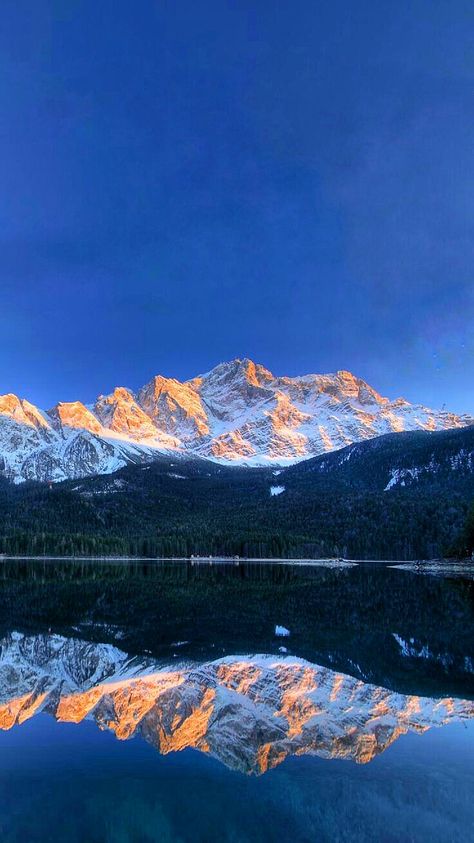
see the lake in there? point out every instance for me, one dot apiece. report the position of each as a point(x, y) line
point(160, 701)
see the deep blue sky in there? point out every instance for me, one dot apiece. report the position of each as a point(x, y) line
point(186, 182)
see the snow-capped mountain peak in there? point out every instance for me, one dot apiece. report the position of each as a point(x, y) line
point(175, 408)
point(238, 412)
point(21, 411)
point(74, 414)
point(120, 413)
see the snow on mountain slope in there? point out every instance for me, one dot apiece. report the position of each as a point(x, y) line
point(239, 412)
point(67, 442)
point(75, 415)
point(176, 408)
point(121, 414)
point(250, 712)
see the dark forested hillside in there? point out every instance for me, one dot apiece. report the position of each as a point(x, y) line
point(395, 497)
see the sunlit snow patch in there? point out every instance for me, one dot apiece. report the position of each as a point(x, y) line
point(277, 490)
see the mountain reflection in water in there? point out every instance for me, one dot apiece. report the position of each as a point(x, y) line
point(187, 660)
point(161, 651)
point(249, 712)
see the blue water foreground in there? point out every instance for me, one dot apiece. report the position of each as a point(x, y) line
point(156, 705)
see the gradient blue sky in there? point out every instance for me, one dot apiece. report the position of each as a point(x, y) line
point(186, 182)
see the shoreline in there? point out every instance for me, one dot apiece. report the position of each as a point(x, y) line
point(203, 560)
point(222, 560)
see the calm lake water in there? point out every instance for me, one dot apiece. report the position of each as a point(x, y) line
point(254, 702)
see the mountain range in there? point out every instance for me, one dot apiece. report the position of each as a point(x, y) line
point(238, 413)
point(250, 712)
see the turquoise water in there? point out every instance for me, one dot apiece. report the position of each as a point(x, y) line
point(225, 737)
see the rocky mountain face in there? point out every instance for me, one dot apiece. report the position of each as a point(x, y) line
point(237, 413)
point(250, 712)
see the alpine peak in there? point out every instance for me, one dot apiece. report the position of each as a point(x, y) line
point(238, 412)
point(74, 414)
